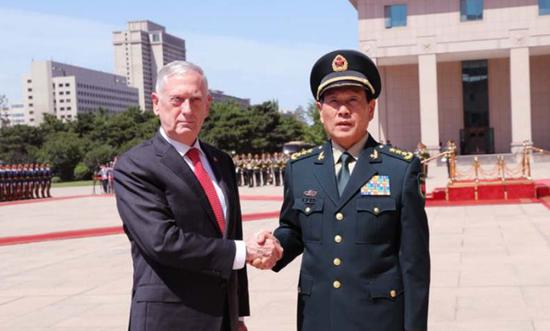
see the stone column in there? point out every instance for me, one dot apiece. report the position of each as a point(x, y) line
point(429, 119)
point(520, 96)
point(375, 128)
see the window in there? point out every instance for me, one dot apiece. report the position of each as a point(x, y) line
point(60, 85)
point(61, 92)
point(471, 10)
point(31, 112)
point(544, 7)
point(29, 90)
point(30, 97)
point(396, 15)
point(67, 84)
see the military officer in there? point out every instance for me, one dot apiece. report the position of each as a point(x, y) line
point(354, 209)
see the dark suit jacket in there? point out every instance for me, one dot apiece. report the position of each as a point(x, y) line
point(366, 263)
point(183, 277)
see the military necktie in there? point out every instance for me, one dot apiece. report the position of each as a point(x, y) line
point(343, 175)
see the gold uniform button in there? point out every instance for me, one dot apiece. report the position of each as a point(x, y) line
point(339, 216)
point(337, 238)
point(393, 294)
point(376, 210)
point(337, 261)
point(308, 210)
point(336, 284)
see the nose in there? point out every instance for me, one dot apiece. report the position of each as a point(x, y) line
point(343, 110)
point(185, 106)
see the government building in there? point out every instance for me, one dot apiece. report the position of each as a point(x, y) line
point(65, 90)
point(473, 71)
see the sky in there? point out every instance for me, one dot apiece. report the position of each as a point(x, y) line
point(248, 48)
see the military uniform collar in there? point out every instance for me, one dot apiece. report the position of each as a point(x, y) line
point(355, 150)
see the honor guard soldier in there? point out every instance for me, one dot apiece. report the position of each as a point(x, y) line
point(2, 183)
point(257, 168)
point(353, 208)
point(265, 166)
point(46, 180)
point(276, 168)
point(250, 170)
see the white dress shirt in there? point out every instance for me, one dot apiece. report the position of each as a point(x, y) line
point(240, 256)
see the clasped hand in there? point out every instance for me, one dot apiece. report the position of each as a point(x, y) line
point(263, 250)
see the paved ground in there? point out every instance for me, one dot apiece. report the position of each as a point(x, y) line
point(490, 268)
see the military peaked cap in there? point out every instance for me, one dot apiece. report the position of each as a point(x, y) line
point(344, 68)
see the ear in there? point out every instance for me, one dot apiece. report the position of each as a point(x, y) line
point(372, 106)
point(155, 100)
point(319, 106)
point(208, 104)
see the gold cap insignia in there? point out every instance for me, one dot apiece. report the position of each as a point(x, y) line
point(339, 63)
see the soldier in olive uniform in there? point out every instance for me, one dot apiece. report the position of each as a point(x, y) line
point(276, 168)
point(257, 168)
point(353, 208)
point(250, 170)
point(266, 167)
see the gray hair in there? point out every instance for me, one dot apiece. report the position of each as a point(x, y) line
point(177, 68)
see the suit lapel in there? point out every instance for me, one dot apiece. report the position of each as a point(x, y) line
point(324, 171)
point(173, 161)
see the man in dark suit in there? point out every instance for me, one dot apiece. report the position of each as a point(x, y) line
point(178, 200)
point(355, 210)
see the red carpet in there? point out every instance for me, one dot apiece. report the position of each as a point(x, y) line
point(436, 199)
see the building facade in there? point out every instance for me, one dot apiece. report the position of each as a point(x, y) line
point(13, 115)
point(141, 51)
point(219, 96)
point(65, 90)
point(472, 71)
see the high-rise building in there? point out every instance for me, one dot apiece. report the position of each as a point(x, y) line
point(65, 90)
point(141, 51)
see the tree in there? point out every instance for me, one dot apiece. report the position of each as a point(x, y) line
point(19, 143)
point(314, 133)
point(63, 150)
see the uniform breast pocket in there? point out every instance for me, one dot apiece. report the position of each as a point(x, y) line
point(311, 218)
point(377, 220)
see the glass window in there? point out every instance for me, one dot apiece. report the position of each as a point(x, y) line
point(471, 10)
point(544, 7)
point(395, 15)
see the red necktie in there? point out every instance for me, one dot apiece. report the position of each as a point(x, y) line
point(207, 186)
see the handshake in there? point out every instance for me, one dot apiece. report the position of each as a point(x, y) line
point(263, 250)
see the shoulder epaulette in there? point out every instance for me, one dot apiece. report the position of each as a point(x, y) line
point(396, 152)
point(305, 153)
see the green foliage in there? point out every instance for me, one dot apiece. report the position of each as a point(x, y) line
point(81, 171)
point(259, 128)
point(63, 151)
point(75, 148)
point(314, 133)
point(97, 154)
point(19, 143)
